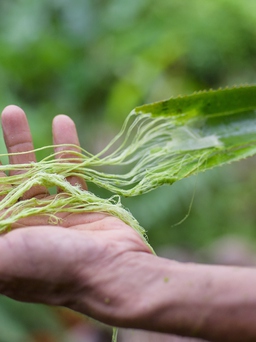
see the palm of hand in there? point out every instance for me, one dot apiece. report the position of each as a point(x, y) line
point(80, 264)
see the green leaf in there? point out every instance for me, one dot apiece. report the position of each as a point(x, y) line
point(221, 123)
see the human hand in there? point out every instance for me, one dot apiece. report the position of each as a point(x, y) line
point(86, 263)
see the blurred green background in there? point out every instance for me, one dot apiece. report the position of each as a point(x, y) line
point(95, 60)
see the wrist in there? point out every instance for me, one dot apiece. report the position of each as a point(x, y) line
point(139, 290)
point(152, 293)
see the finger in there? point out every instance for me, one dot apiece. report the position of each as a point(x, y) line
point(3, 186)
point(18, 138)
point(64, 132)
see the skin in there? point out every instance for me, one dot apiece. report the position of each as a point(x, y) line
point(97, 265)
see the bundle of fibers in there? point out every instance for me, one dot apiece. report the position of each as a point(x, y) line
point(159, 143)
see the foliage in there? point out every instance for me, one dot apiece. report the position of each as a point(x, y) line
point(20, 322)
